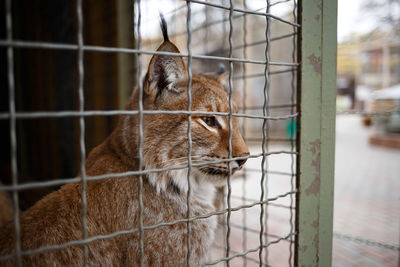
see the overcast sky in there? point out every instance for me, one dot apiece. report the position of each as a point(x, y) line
point(351, 19)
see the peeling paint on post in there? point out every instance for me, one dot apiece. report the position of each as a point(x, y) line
point(316, 135)
point(315, 62)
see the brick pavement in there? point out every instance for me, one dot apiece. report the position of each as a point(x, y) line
point(367, 198)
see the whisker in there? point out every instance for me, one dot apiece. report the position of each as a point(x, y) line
point(181, 158)
point(182, 163)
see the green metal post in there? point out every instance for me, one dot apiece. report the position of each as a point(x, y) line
point(316, 136)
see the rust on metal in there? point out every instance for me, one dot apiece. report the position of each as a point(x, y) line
point(316, 163)
point(315, 62)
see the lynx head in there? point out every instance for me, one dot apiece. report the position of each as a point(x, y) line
point(165, 138)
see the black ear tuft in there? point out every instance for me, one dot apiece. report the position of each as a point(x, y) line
point(221, 69)
point(164, 28)
point(165, 71)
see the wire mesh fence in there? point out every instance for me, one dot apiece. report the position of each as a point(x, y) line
point(259, 49)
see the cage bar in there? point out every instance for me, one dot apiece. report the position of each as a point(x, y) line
point(243, 128)
point(23, 186)
point(264, 145)
point(82, 146)
point(316, 138)
point(55, 114)
point(138, 34)
point(13, 134)
point(105, 49)
point(292, 141)
point(189, 130)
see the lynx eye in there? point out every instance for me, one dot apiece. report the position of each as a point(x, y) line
point(210, 121)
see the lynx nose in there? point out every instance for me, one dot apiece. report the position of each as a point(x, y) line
point(241, 162)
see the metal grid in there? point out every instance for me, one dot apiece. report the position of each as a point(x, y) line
point(266, 239)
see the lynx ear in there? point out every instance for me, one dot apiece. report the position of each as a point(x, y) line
point(223, 78)
point(165, 71)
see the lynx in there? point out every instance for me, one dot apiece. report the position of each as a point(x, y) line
point(112, 204)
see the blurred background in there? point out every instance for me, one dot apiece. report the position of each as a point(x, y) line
point(367, 172)
point(367, 178)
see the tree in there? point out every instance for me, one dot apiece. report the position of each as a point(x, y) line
point(387, 12)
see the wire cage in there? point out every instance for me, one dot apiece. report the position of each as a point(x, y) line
point(250, 80)
point(258, 44)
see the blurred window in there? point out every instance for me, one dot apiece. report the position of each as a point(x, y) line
point(372, 61)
